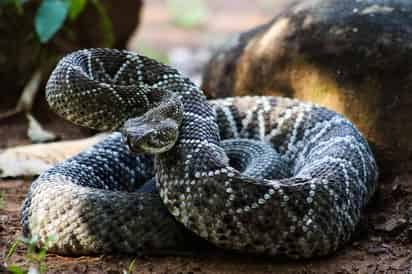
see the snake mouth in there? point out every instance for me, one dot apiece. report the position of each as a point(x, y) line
point(153, 149)
point(150, 137)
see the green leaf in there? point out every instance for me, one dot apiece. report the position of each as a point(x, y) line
point(131, 267)
point(50, 17)
point(33, 240)
point(15, 269)
point(187, 14)
point(76, 7)
point(106, 25)
point(13, 248)
point(50, 239)
point(43, 268)
point(41, 255)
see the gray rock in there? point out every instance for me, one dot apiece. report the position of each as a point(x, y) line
point(353, 56)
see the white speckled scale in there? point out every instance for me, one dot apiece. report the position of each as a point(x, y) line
point(326, 171)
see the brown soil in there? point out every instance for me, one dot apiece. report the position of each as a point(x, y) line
point(382, 244)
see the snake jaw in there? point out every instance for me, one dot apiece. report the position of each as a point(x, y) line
point(152, 137)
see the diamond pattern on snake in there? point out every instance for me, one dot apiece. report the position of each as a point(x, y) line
point(265, 175)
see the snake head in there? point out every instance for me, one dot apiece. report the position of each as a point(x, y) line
point(152, 137)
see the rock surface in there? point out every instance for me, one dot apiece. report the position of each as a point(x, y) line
point(352, 56)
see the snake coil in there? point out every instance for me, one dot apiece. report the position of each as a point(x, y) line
point(310, 208)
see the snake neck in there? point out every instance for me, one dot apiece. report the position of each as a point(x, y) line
point(198, 146)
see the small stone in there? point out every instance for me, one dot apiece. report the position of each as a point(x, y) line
point(375, 250)
point(376, 239)
point(4, 219)
point(393, 225)
point(402, 263)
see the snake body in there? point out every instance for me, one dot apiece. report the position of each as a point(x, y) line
point(325, 170)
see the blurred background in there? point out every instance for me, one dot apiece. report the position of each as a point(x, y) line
point(352, 56)
point(186, 39)
point(36, 33)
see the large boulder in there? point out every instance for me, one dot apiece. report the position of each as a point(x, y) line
point(352, 56)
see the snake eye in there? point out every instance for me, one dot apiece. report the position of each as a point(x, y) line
point(166, 136)
point(161, 138)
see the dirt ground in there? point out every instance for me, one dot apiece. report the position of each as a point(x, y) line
point(383, 243)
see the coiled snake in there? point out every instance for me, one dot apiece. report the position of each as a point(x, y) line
point(323, 172)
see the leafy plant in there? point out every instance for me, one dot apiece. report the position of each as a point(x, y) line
point(52, 14)
point(35, 255)
point(76, 7)
point(131, 267)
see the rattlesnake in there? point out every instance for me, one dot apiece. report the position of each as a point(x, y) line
point(326, 172)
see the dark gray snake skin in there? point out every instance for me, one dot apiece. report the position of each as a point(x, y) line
point(94, 202)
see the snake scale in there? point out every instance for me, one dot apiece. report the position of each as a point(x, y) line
point(323, 173)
